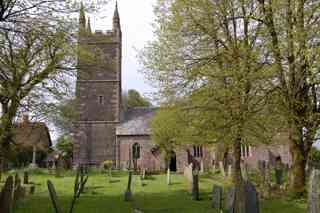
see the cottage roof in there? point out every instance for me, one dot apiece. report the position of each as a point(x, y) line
point(28, 134)
point(136, 121)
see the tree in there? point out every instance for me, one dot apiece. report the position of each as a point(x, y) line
point(65, 115)
point(210, 53)
point(29, 65)
point(293, 42)
point(65, 146)
point(133, 99)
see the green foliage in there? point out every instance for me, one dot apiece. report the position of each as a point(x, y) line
point(314, 155)
point(65, 115)
point(65, 146)
point(108, 164)
point(133, 99)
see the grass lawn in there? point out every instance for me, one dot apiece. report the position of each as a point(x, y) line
point(101, 196)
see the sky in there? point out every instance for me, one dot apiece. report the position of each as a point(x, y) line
point(136, 18)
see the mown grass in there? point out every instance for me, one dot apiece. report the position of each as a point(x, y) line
point(102, 196)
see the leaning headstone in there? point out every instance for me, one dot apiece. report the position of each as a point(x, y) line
point(195, 185)
point(314, 192)
point(222, 168)
point(26, 177)
point(128, 193)
point(251, 198)
point(217, 197)
point(54, 197)
point(230, 200)
point(6, 199)
point(168, 177)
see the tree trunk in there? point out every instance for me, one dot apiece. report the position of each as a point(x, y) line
point(239, 205)
point(299, 160)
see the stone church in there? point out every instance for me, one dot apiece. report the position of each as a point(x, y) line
point(104, 130)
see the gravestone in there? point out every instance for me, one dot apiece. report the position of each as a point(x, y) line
point(6, 199)
point(230, 200)
point(168, 177)
point(230, 170)
point(25, 178)
point(53, 196)
point(314, 192)
point(128, 193)
point(16, 180)
point(195, 184)
point(251, 198)
point(222, 168)
point(188, 172)
point(217, 197)
point(262, 169)
point(18, 193)
point(32, 189)
point(244, 171)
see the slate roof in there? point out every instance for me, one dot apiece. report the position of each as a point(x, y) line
point(136, 121)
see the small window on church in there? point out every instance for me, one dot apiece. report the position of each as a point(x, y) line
point(100, 99)
point(136, 151)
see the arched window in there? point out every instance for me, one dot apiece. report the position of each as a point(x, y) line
point(136, 151)
point(197, 151)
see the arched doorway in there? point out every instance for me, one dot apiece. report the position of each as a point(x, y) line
point(173, 162)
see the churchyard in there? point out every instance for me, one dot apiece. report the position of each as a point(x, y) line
point(103, 193)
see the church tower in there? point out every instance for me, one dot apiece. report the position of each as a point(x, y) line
point(98, 92)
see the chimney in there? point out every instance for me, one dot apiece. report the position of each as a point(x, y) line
point(25, 119)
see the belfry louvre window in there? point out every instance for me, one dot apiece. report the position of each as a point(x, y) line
point(101, 99)
point(197, 151)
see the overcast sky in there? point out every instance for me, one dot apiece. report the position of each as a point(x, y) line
point(136, 18)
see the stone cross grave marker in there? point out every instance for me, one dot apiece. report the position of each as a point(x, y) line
point(217, 197)
point(314, 192)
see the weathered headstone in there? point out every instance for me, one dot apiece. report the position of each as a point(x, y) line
point(188, 172)
point(251, 198)
point(168, 177)
point(222, 168)
point(314, 192)
point(54, 197)
point(217, 197)
point(230, 200)
point(195, 184)
point(26, 177)
point(6, 199)
point(230, 170)
point(128, 193)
